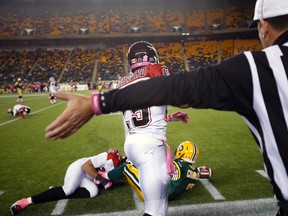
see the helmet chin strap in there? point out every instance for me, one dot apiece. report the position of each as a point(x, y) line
point(139, 64)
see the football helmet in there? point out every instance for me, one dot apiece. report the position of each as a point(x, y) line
point(24, 112)
point(51, 79)
point(187, 151)
point(141, 54)
point(116, 157)
point(19, 79)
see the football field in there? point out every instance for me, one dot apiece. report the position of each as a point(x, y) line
point(30, 164)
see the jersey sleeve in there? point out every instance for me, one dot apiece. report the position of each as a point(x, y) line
point(99, 160)
point(116, 173)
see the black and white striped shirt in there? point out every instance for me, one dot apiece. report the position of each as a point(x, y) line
point(253, 84)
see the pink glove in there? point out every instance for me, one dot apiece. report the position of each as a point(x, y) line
point(99, 180)
point(178, 116)
point(103, 174)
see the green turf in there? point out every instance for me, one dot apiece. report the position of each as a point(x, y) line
point(29, 163)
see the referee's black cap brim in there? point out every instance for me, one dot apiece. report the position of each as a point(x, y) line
point(253, 24)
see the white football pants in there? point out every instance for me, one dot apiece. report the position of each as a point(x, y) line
point(149, 156)
point(76, 177)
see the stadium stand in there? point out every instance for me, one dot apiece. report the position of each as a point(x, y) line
point(87, 43)
point(80, 66)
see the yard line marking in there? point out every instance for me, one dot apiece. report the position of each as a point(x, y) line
point(60, 207)
point(17, 118)
point(258, 207)
point(211, 189)
point(138, 203)
point(10, 121)
point(262, 172)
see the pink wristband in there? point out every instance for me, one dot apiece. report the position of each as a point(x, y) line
point(95, 98)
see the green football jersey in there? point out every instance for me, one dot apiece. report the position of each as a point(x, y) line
point(184, 178)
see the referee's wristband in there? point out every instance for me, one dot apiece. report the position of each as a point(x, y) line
point(95, 98)
point(100, 103)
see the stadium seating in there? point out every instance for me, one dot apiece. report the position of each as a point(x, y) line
point(51, 21)
point(87, 64)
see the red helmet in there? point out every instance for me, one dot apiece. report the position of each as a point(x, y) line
point(24, 112)
point(116, 157)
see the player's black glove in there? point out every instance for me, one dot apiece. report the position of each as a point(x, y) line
point(99, 180)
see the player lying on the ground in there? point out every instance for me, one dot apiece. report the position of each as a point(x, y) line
point(80, 181)
point(20, 110)
point(185, 177)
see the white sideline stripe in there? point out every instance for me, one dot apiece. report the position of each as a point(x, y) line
point(258, 207)
point(32, 113)
point(262, 172)
point(211, 189)
point(25, 99)
point(60, 207)
point(26, 95)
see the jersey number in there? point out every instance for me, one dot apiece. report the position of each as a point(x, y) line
point(140, 118)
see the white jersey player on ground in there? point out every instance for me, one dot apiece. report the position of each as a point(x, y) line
point(20, 110)
point(80, 181)
point(145, 142)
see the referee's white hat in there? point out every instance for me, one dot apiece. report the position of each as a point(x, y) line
point(267, 9)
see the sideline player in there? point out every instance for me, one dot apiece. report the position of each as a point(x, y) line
point(52, 85)
point(19, 87)
point(20, 110)
point(80, 181)
point(184, 179)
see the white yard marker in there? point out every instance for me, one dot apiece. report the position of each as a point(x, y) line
point(60, 207)
point(211, 189)
point(263, 173)
point(139, 205)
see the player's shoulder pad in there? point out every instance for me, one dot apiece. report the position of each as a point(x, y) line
point(158, 70)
